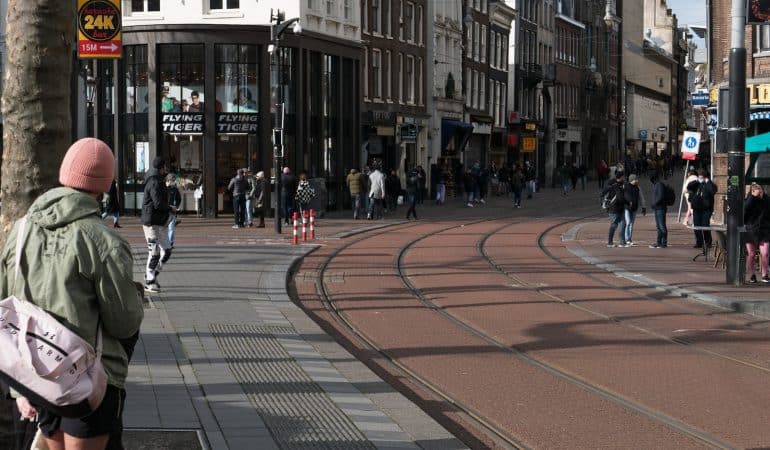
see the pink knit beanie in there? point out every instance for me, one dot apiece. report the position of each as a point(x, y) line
point(88, 166)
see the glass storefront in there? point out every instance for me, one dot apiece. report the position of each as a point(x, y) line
point(211, 104)
point(136, 140)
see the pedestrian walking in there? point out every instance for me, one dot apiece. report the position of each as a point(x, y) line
point(517, 186)
point(422, 178)
point(155, 216)
point(702, 192)
point(616, 208)
point(634, 200)
point(469, 181)
point(602, 172)
point(262, 189)
point(87, 283)
point(288, 190)
point(392, 191)
point(583, 175)
point(659, 208)
point(531, 177)
point(412, 188)
point(112, 205)
point(376, 193)
point(305, 193)
point(565, 174)
point(250, 193)
point(441, 187)
point(692, 175)
point(355, 184)
point(174, 202)
point(239, 187)
point(756, 217)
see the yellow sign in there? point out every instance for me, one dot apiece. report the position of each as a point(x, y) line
point(759, 94)
point(530, 127)
point(99, 25)
point(528, 144)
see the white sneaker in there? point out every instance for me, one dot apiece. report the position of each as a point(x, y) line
point(469, 205)
point(152, 287)
point(482, 201)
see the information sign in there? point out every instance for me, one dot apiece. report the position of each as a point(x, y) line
point(99, 25)
point(690, 145)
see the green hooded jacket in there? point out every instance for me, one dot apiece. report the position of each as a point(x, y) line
point(78, 270)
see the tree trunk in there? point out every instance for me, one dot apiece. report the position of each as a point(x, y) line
point(37, 129)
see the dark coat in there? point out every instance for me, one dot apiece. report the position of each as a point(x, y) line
point(658, 196)
point(756, 217)
point(113, 203)
point(702, 195)
point(155, 208)
point(620, 204)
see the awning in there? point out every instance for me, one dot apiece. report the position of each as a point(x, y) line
point(759, 143)
point(450, 128)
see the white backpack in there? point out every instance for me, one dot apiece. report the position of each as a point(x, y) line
point(52, 366)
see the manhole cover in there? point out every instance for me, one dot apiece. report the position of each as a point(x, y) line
point(158, 439)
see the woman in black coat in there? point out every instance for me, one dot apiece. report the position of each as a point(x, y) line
point(756, 217)
point(112, 205)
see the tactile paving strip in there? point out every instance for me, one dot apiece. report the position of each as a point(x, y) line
point(296, 410)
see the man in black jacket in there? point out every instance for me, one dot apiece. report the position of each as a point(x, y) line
point(702, 192)
point(155, 217)
point(239, 187)
point(659, 207)
point(616, 210)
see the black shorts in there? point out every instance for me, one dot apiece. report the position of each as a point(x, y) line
point(107, 419)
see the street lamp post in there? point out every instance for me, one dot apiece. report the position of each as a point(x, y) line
point(279, 24)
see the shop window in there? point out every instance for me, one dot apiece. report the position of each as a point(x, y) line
point(236, 78)
point(181, 104)
point(135, 145)
point(140, 6)
point(224, 4)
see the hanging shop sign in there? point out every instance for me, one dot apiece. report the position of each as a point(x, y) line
point(528, 144)
point(182, 123)
point(409, 132)
point(99, 24)
point(238, 123)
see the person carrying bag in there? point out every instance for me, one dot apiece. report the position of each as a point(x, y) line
point(71, 311)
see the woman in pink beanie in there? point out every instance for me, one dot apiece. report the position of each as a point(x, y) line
point(80, 271)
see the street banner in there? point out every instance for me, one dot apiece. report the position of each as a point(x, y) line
point(99, 25)
point(690, 145)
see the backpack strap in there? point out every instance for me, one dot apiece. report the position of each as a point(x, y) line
point(20, 238)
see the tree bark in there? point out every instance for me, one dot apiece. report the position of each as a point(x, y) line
point(37, 129)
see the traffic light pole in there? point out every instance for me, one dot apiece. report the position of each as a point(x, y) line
point(736, 143)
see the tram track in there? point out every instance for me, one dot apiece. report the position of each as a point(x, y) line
point(476, 417)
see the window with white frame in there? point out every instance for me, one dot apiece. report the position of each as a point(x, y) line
point(475, 41)
point(504, 52)
point(467, 87)
point(483, 52)
point(330, 8)
point(376, 16)
point(388, 72)
point(346, 9)
point(401, 20)
point(409, 22)
point(400, 77)
point(418, 27)
point(376, 73)
point(386, 13)
point(482, 90)
point(223, 4)
point(311, 4)
point(366, 74)
point(763, 38)
point(419, 81)
point(140, 6)
point(409, 79)
point(468, 41)
point(365, 16)
point(475, 90)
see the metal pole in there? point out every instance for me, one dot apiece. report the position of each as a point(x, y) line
point(736, 142)
point(277, 142)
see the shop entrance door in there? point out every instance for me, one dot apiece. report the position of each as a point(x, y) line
point(234, 151)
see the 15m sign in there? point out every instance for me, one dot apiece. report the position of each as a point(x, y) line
point(99, 24)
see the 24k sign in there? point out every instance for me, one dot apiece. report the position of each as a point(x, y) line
point(99, 26)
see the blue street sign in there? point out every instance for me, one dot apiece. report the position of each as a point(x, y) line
point(700, 99)
point(690, 142)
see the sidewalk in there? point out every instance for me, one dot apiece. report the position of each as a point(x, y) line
point(226, 360)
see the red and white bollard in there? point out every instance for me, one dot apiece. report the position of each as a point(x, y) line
point(304, 226)
point(294, 217)
point(312, 224)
